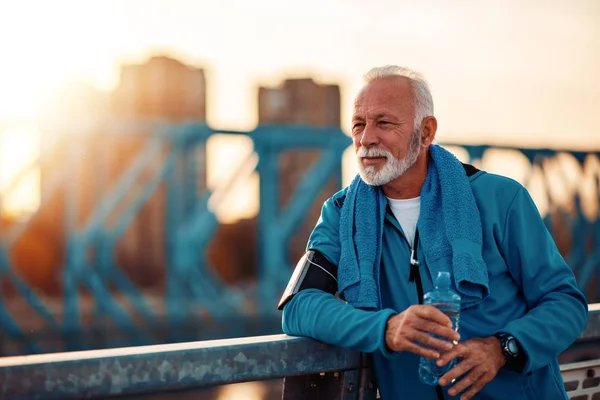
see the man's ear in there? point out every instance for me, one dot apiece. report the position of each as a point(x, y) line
point(428, 130)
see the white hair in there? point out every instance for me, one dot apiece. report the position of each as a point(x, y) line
point(423, 101)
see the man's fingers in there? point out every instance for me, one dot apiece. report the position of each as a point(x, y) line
point(437, 329)
point(476, 387)
point(460, 350)
point(459, 369)
point(466, 382)
point(422, 351)
point(472, 373)
point(433, 314)
point(428, 340)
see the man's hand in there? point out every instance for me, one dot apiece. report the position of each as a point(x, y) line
point(481, 359)
point(410, 329)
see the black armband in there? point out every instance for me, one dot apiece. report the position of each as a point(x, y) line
point(313, 271)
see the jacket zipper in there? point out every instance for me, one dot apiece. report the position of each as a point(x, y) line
point(415, 276)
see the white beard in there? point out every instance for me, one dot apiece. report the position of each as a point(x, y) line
point(393, 167)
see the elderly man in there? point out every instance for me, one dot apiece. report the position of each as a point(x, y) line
point(415, 210)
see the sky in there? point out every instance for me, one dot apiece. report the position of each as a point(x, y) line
point(505, 72)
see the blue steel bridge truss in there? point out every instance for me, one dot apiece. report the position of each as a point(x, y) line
point(193, 294)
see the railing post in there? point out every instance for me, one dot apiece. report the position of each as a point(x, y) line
point(358, 384)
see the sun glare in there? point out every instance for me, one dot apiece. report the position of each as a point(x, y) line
point(43, 52)
point(19, 187)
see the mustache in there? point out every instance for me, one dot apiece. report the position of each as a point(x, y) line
point(373, 152)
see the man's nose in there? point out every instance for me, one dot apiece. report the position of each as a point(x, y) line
point(369, 136)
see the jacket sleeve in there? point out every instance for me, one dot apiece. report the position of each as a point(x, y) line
point(319, 315)
point(557, 309)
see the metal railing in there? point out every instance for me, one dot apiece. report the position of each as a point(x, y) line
point(311, 370)
point(176, 367)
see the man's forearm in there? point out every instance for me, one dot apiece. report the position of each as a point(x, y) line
point(319, 315)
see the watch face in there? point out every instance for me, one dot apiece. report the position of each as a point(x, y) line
point(512, 346)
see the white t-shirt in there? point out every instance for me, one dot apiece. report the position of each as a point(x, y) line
point(407, 212)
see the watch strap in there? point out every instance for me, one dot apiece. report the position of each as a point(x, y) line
point(514, 360)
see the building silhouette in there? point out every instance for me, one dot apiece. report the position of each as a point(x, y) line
point(162, 89)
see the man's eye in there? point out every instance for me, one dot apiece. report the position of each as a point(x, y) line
point(384, 122)
point(357, 125)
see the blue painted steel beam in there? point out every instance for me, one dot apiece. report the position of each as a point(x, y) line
point(109, 305)
point(21, 287)
point(120, 189)
point(140, 200)
point(297, 137)
point(309, 187)
point(75, 255)
point(272, 255)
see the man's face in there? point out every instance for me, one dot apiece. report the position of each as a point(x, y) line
point(385, 140)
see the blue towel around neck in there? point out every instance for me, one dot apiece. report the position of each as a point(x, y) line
point(449, 229)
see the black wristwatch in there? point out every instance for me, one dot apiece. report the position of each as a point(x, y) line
point(510, 349)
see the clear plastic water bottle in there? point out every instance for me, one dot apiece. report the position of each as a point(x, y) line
point(446, 300)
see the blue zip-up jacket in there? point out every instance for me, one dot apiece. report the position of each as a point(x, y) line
point(533, 296)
